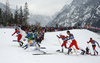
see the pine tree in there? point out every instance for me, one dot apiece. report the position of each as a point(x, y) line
point(0, 16)
point(11, 20)
point(26, 13)
point(16, 15)
point(7, 13)
point(21, 15)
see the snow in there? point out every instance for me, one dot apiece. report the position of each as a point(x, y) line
point(10, 53)
point(86, 16)
point(98, 10)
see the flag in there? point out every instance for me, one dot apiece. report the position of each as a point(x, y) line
point(98, 28)
point(19, 20)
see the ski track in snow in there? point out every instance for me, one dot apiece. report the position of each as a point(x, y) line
point(10, 53)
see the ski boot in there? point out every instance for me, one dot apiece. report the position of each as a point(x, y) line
point(69, 50)
point(97, 53)
point(94, 53)
point(44, 52)
point(62, 50)
point(21, 44)
point(82, 53)
point(26, 46)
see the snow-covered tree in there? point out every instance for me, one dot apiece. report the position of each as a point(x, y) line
point(26, 13)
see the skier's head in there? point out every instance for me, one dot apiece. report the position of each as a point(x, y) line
point(68, 32)
point(60, 34)
point(90, 38)
point(15, 28)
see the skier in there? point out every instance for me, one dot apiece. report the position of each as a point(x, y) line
point(19, 37)
point(87, 50)
point(93, 42)
point(64, 38)
point(31, 41)
point(74, 42)
point(30, 37)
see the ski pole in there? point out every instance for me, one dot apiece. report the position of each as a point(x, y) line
point(60, 44)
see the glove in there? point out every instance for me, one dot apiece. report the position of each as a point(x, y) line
point(12, 34)
point(87, 42)
point(99, 46)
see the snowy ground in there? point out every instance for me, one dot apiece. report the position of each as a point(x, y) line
point(10, 53)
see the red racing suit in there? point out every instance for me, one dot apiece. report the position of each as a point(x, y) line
point(64, 40)
point(19, 35)
point(74, 42)
point(93, 42)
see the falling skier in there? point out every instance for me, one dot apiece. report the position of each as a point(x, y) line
point(93, 42)
point(19, 37)
point(74, 42)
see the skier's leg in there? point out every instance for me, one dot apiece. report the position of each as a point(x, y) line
point(93, 46)
point(65, 44)
point(27, 45)
point(96, 51)
point(75, 43)
point(20, 43)
point(37, 46)
point(34, 43)
point(71, 45)
point(69, 50)
point(30, 42)
point(19, 38)
point(62, 46)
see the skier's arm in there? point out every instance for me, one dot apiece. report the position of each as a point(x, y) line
point(14, 33)
point(97, 43)
point(89, 42)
